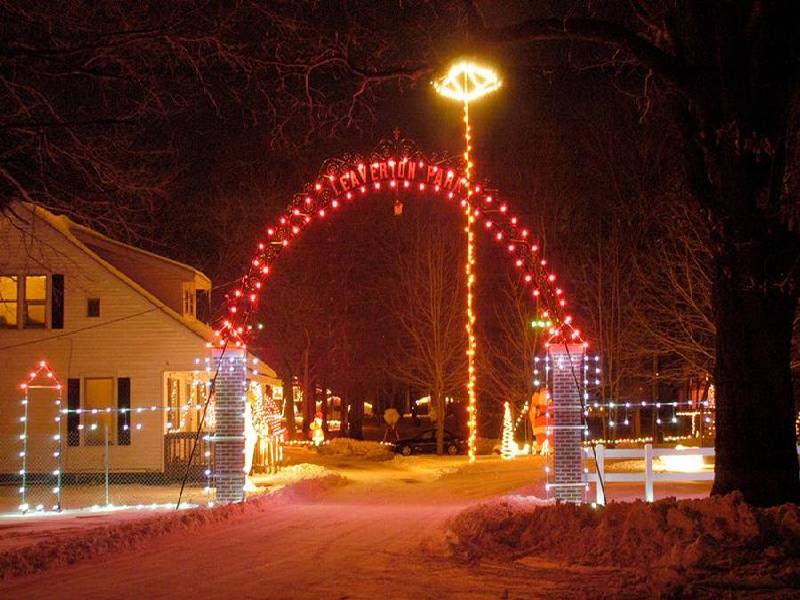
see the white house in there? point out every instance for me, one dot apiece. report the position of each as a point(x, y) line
point(119, 328)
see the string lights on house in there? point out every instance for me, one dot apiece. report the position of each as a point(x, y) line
point(41, 378)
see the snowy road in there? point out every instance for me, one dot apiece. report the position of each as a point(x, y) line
point(380, 535)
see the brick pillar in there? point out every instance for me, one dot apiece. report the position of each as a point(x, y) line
point(567, 421)
point(230, 388)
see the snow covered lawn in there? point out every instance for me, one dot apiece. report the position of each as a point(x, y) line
point(692, 547)
point(338, 525)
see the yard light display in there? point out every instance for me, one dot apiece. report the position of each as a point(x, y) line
point(466, 82)
point(398, 164)
point(508, 448)
point(41, 378)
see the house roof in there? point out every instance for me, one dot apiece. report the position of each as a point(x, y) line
point(68, 228)
point(90, 236)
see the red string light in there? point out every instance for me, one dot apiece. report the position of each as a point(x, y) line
point(327, 194)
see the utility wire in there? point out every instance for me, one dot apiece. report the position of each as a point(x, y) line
point(600, 481)
point(74, 331)
point(212, 390)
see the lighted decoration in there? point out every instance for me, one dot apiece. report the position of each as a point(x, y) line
point(508, 448)
point(250, 440)
point(399, 165)
point(545, 450)
point(466, 82)
point(317, 433)
point(268, 424)
point(255, 397)
point(41, 378)
point(540, 417)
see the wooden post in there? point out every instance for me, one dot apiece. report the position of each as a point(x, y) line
point(648, 472)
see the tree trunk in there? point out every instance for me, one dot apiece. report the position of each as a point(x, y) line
point(324, 405)
point(755, 441)
point(288, 405)
point(439, 404)
point(357, 418)
point(308, 396)
point(344, 416)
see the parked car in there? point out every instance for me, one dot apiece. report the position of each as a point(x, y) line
point(425, 442)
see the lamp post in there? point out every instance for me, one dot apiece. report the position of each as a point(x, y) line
point(466, 82)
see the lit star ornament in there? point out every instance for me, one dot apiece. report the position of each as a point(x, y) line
point(467, 81)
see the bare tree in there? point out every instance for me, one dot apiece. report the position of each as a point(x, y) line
point(428, 307)
point(507, 356)
point(727, 71)
point(673, 300)
point(100, 101)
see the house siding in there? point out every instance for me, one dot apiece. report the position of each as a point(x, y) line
point(133, 337)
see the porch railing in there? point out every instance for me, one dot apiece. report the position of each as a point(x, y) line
point(178, 449)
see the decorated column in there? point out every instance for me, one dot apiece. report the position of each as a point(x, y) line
point(567, 421)
point(231, 390)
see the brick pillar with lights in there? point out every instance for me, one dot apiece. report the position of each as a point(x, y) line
point(566, 362)
point(230, 391)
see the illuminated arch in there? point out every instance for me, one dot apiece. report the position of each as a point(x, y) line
point(396, 165)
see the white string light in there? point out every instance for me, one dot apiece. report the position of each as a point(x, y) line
point(41, 378)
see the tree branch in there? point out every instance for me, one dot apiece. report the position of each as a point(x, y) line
point(671, 68)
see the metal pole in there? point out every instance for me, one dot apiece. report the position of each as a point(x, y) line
point(59, 450)
point(105, 460)
point(24, 489)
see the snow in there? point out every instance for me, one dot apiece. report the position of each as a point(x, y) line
point(87, 495)
point(67, 546)
point(339, 525)
point(675, 546)
point(364, 449)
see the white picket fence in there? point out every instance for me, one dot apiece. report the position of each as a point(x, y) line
point(648, 476)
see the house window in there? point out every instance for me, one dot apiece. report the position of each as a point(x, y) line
point(35, 301)
point(98, 403)
point(93, 307)
point(188, 300)
point(8, 301)
point(23, 301)
point(173, 404)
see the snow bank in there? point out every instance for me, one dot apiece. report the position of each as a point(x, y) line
point(359, 448)
point(82, 544)
point(670, 542)
point(310, 487)
point(291, 474)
